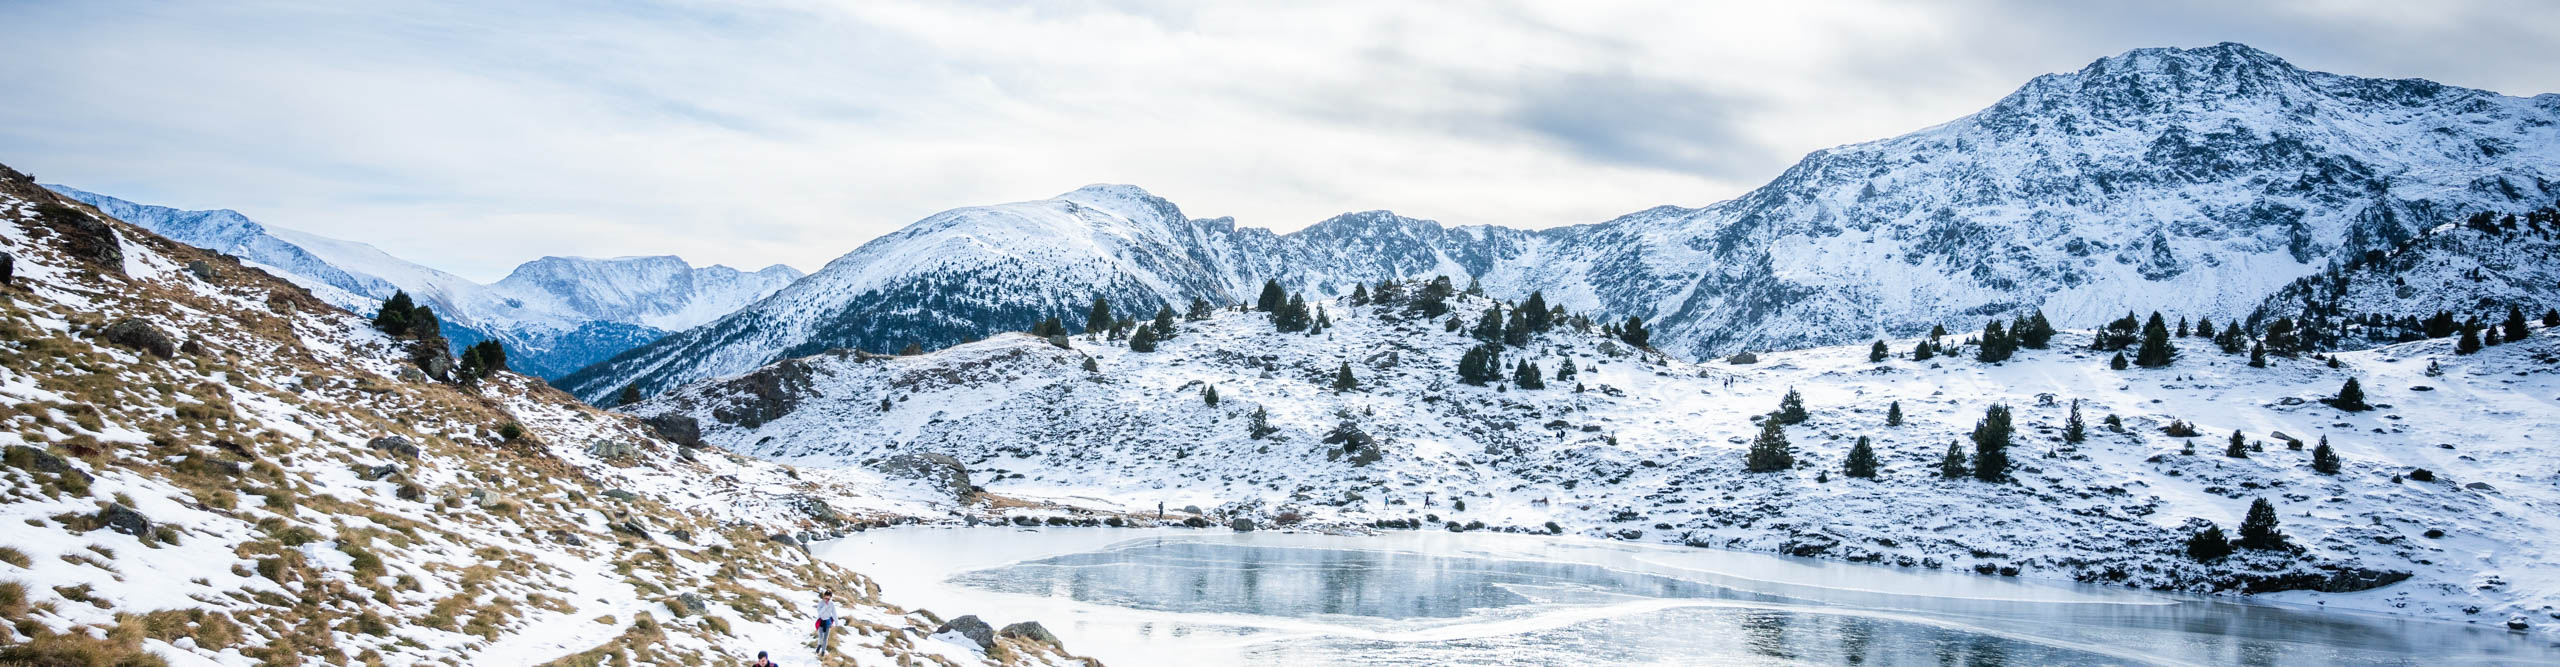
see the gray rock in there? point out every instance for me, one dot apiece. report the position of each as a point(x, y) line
point(34, 459)
point(1742, 358)
point(395, 446)
point(784, 539)
point(692, 604)
point(2517, 622)
point(969, 626)
point(85, 237)
point(621, 495)
point(139, 335)
point(201, 270)
point(568, 538)
point(2292, 442)
point(676, 428)
point(122, 519)
point(1031, 630)
point(810, 506)
point(383, 471)
point(2481, 486)
point(1241, 525)
point(612, 449)
point(410, 492)
point(681, 535)
point(940, 470)
point(1060, 340)
point(8, 268)
point(631, 527)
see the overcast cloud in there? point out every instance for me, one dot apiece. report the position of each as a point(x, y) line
point(472, 136)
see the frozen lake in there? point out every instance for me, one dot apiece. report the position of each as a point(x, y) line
point(1190, 597)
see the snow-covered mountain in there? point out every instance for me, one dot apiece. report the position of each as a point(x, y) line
point(1640, 446)
point(2198, 181)
point(555, 314)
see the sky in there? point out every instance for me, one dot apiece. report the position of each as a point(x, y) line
point(472, 136)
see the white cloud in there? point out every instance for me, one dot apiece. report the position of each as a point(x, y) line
point(475, 136)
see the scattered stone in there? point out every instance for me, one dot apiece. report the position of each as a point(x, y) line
point(85, 237)
point(976, 630)
point(1241, 525)
point(682, 430)
point(136, 334)
point(691, 604)
point(201, 270)
point(632, 528)
point(1031, 630)
point(784, 539)
point(410, 492)
point(2516, 622)
point(481, 497)
point(8, 268)
point(122, 519)
point(383, 471)
point(621, 495)
point(34, 459)
point(2483, 487)
point(568, 538)
point(1742, 358)
point(191, 347)
point(810, 506)
point(941, 470)
point(612, 449)
point(395, 446)
point(681, 535)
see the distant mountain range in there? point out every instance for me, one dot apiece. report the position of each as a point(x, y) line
point(2193, 181)
point(554, 314)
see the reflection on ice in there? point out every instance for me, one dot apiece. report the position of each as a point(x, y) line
point(1138, 597)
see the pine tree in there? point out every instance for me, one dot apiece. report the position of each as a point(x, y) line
point(1209, 396)
point(912, 349)
point(1359, 294)
point(1922, 351)
point(2182, 326)
point(1480, 365)
point(2489, 336)
point(1292, 316)
point(1769, 452)
point(1937, 331)
point(1862, 460)
point(1991, 444)
point(1143, 338)
point(1995, 344)
point(1952, 467)
point(2118, 362)
point(1343, 380)
point(1098, 319)
point(2204, 328)
point(423, 324)
point(1489, 326)
point(2073, 430)
point(1527, 376)
point(2258, 531)
point(1474, 289)
point(1790, 408)
point(2515, 323)
point(1565, 370)
point(1893, 414)
point(1634, 333)
point(1199, 310)
point(1535, 308)
point(2281, 339)
point(1879, 352)
point(2470, 342)
point(2324, 460)
point(1434, 301)
point(2551, 318)
point(394, 317)
point(1164, 322)
point(2208, 545)
point(2156, 351)
point(1272, 297)
point(1323, 320)
point(1515, 332)
point(2038, 332)
point(630, 394)
point(1259, 425)
point(2258, 355)
point(2350, 397)
point(1091, 365)
point(2239, 448)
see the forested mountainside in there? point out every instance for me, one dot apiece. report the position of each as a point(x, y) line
point(2406, 479)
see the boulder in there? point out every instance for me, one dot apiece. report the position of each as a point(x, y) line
point(1241, 525)
point(691, 604)
point(1031, 630)
point(681, 535)
point(809, 506)
point(139, 335)
point(676, 428)
point(394, 445)
point(568, 538)
point(612, 449)
point(631, 527)
point(85, 237)
point(34, 459)
point(621, 495)
point(122, 519)
point(8, 268)
point(1742, 358)
point(383, 471)
point(410, 492)
point(969, 626)
point(2517, 622)
point(784, 539)
point(940, 470)
point(200, 270)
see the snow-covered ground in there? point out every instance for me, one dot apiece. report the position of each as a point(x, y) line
point(1651, 448)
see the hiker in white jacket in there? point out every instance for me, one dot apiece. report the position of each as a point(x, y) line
point(826, 618)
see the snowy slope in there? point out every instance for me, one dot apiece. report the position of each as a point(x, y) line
point(555, 314)
point(221, 504)
point(1651, 448)
point(2197, 180)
